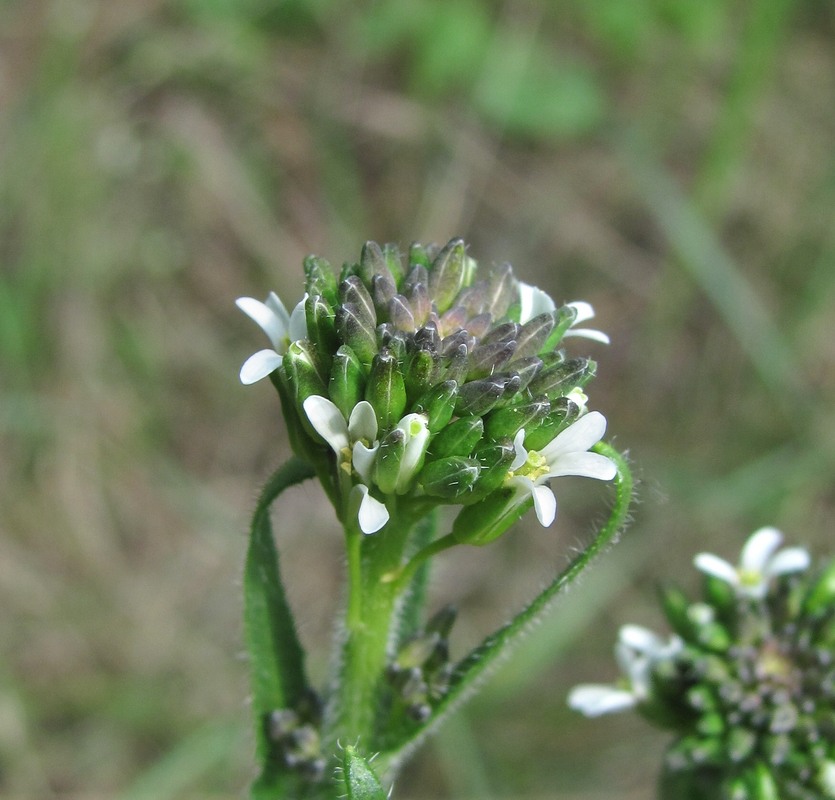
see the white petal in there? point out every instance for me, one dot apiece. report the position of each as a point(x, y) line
point(759, 548)
point(273, 302)
point(363, 459)
point(362, 423)
point(792, 559)
point(416, 428)
point(545, 505)
point(297, 324)
point(718, 567)
point(259, 365)
point(519, 448)
point(641, 639)
point(266, 318)
point(584, 310)
point(328, 421)
point(593, 700)
point(533, 301)
point(588, 333)
point(579, 436)
point(585, 465)
point(372, 514)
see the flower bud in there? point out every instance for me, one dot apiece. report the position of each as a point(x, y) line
point(321, 323)
point(400, 313)
point(447, 273)
point(533, 335)
point(420, 371)
point(305, 375)
point(371, 263)
point(383, 289)
point(494, 459)
point(320, 279)
point(481, 523)
point(418, 256)
point(391, 253)
point(503, 290)
point(565, 318)
point(352, 292)
point(438, 404)
point(526, 368)
point(347, 380)
point(478, 397)
point(563, 412)
point(386, 390)
point(449, 478)
point(559, 380)
point(357, 331)
point(486, 359)
point(821, 597)
point(458, 439)
point(505, 422)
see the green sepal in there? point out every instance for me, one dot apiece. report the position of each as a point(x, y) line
point(511, 419)
point(275, 654)
point(457, 439)
point(391, 253)
point(563, 412)
point(388, 460)
point(386, 390)
point(320, 279)
point(422, 367)
point(446, 276)
point(358, 778)
point(438, 404)
point(449, 478)
point(346, 385)
point(494, 458)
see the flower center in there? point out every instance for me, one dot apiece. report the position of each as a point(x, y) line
point(534, 467)
point(345, 460)
point(749, 577)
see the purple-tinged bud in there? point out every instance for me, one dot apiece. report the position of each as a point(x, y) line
point(447, 274)
point(352, 291)
point(400, 314)
point(383, 288)
point(372, 262)
point(486, 359)
point(559, 380)
point(478, 397)
point(355, 330)
point(502, 291)
point(534, 334)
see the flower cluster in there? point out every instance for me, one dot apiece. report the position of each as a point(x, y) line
point(747, 681)
point(412, 386)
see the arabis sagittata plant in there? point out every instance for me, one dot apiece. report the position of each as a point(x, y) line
point(746, 682)
point(407, 384)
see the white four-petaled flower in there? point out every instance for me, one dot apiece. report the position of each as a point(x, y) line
point(637, 651)
point(566, 454)
point(281, 329)
point(355, 444)
point(533, 302)
point(759, 562)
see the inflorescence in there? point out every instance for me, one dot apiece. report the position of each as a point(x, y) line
point(747, 681)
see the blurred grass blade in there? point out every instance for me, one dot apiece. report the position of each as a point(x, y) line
point(275, 653)
point(485, 657)
point(205, 750)
point(714, 271)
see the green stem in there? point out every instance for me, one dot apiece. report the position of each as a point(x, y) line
point(402, 576)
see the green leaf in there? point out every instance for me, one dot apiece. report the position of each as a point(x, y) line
point(275, 653)
point(478, 663)
point(360, 781)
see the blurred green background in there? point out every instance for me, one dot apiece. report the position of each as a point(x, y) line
point(672, 162)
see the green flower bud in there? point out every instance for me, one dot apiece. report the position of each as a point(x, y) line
point(371, 263)
point(559, 380)
point(457, 439)
point(478, 397)
point(503, 290)
point(821, 597)
point(565, 318)
point(400, 313)
point(438, 404)
point(388, 461)
point(481, 523)
point(358, 778)
point(761, 784)
point(304, 371)
point(494, 459)
point(455, 364)
point(533, 335)
point(321, 323)
point(386, 390)
point(355, 331)
point(486, 359)
point(710, 725)
point(526, 368)
point(347, 380)
point(391, 253)
point(505, 422)
point(352, 292)
point(320, 279)
point(449, 478)
point(419, 373)
point(418, 256)
point(447, 274)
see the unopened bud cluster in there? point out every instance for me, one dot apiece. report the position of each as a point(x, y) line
point(431, 381)
point(747, 681)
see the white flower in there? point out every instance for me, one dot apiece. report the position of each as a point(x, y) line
point(637, 651)
point(533, 302)
point(566, 454)
point(281, 328)
point(355, 444)
point(584, 312)
point(758, 563)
